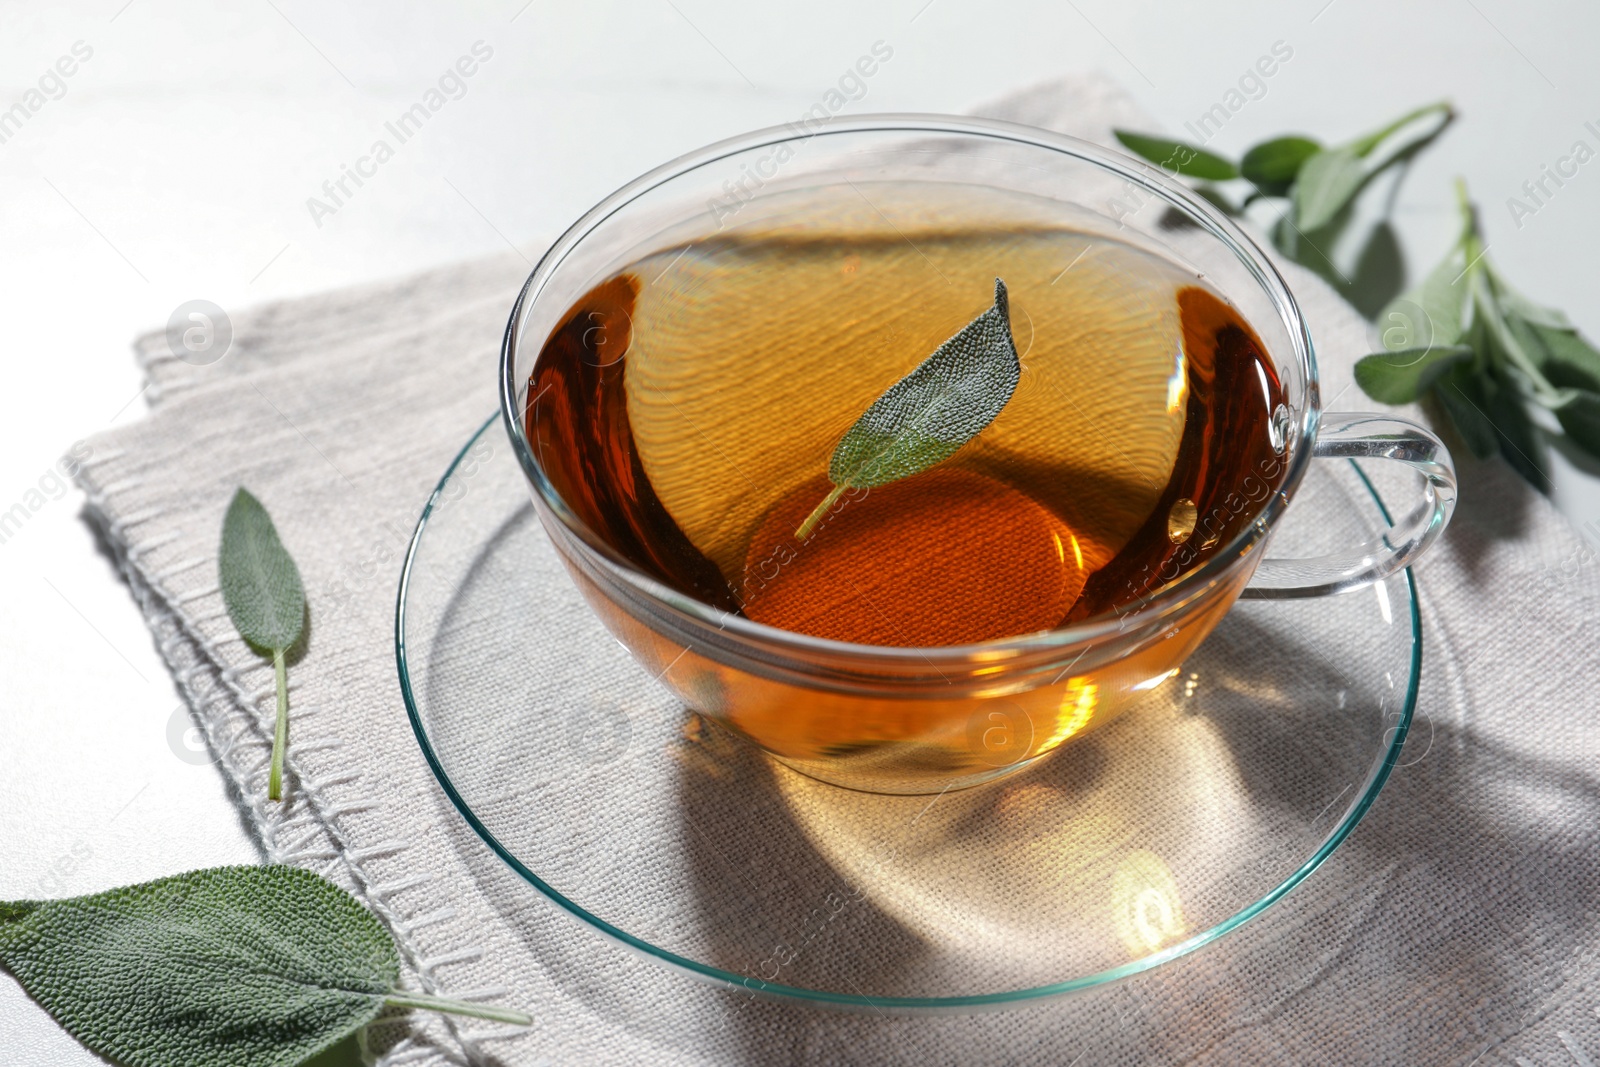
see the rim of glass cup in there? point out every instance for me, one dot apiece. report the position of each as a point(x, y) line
point(1168, 598)
point(1377, 775)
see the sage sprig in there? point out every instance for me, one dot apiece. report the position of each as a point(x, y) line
point(1318, 181)
point(245, 966)
point(261, 588)
point(1483, 353)
point(925, 417)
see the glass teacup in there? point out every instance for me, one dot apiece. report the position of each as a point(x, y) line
point(907, 719)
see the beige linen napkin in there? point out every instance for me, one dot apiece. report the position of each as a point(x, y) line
point(1457, 925)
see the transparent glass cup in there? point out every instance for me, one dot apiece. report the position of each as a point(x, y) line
point(925, 720)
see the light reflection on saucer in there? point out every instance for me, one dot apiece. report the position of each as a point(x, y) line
point(1109, 844)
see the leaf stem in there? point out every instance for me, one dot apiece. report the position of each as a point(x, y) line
point(818, 512)
point(280, 734)
point(1471, 239)
point(402, 999)
point(1362, 146)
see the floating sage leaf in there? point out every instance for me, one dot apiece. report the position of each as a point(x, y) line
point(247, 966)
point(1177, 157)
point(261, 587)
point(930, 413)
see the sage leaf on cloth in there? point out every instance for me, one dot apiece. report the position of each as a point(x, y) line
point(925, 417)
point(244, 966)
point(261, 587)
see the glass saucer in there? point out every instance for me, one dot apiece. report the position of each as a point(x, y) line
point(1172, 826)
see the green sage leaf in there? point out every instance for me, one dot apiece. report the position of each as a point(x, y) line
point(1461, 395)
point(1564, 357)
point(260, 582)
point(1179, 158)
point(1520, 441)
point(245, 966)
point(1273, 165)
point(925, 417)
point(1429, 315)
point(1363, 146)
point(1403, 376)
point(1507, 355)
point(1483, 372)
point(261, 587)
point(1217, 199)
point(1326, 183)
point(1580, 420)
point(1516, 304)
point(1443, 296)
point(252, 966)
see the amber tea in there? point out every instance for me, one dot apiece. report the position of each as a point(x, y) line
point(687, 406)
point(686, 409)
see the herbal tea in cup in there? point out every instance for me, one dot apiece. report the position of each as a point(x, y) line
point(906, 476)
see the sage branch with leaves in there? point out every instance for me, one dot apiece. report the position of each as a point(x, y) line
point(1318, 182)
point(1482, 354)
point(1312, 188)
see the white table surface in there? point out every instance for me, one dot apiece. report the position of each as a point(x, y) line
point(178, 162)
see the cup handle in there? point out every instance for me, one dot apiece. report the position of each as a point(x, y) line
point(1365, 436)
